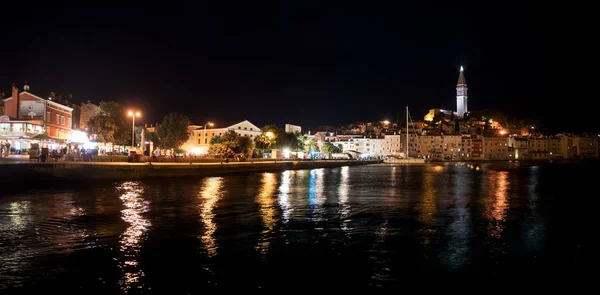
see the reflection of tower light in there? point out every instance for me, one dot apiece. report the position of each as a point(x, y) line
point(343, 191)
point(212, 190)
point(266, 201)
point(131, 239)
point(428, 207)
point(284, 194)
point(499, 205)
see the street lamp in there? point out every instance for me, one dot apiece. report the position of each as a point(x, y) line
point(208, 123)
point(133, 115)
point(270, 135)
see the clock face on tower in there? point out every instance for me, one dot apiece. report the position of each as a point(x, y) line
point(460, 91)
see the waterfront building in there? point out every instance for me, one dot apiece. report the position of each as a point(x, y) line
point(567, 145)
point(413, 144)
point(521, 147)
point(391, 145)
point(466, 148)
point(199, 141)
point(477, 149)
point(588, 147)
point(27, 117)
point(539, 148)
point(495, 148)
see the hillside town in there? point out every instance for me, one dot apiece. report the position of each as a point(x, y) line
point(30, 124)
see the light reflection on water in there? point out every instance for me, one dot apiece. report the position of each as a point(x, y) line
point(284, 195)
point(427, 206)
point(497, 203)
point(459, 233)
point(344, 192)
point(363, 225)
point(211, 193)
point(267, 211)
point(131, 194)
point(534, 228)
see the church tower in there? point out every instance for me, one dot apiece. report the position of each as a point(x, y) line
point(461, 95)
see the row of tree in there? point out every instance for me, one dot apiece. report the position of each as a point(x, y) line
point(110, 125)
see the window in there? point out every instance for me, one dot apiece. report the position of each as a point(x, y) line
point(198, 140)
point(62, 120)
point(48, 116)
point(245, 128)
point(239, 127)
point(250, 130)
point(70, 122)
point(57, 118)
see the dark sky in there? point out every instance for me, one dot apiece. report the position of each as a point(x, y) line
point(272, 62)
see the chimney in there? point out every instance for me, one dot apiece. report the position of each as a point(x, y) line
point(2, 95)
point(52, 96)
point(15, 91)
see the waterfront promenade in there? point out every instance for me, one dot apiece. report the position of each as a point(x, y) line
point(23, 171)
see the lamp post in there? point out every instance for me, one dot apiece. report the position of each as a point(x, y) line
point(133, 115)
point(270, 135)
point(205, 139)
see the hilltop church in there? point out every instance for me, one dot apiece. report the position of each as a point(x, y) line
point(461, 100)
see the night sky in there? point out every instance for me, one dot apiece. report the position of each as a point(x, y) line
point(280, 63)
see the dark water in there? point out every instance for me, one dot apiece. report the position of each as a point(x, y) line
point(370, 226)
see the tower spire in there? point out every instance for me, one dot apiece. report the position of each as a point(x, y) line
point(461, 94)
point(461, 78)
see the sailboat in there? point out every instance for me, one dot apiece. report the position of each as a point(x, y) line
point(407, 158)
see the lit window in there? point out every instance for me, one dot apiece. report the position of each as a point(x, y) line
point(62, 120)
point(57, 118)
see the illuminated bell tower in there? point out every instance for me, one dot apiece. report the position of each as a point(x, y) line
point(461, 94)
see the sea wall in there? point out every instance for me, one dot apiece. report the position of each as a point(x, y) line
point(123, 171)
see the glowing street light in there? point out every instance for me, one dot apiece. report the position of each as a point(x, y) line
point(210, 124)
point(133, 115)
point(386, 122)
point(269, 134)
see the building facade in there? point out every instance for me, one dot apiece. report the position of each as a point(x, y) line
point(28, 116)
point(199, 141)
point(289, 128)
point(495, 148)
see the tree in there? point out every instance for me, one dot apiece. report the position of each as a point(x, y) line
point(109, 124)
point(173, 131)
point(103, 128)
point(330, 148)
point(230, 144)
point(287, 140)
point(307, 144)
point(153, 137)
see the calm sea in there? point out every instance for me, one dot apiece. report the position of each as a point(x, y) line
point(370, 226)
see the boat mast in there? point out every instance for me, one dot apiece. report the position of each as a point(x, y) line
point(407, 131)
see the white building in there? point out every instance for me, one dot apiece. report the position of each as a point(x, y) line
point(199, 140)
point(289, 128)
